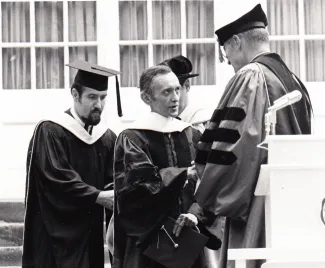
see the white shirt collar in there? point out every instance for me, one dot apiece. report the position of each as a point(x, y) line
point(156, 122)
point(71, 124)
point(76, 116)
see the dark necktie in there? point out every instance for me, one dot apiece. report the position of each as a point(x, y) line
point(88, 128)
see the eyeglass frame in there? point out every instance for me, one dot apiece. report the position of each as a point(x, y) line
point(222, 48)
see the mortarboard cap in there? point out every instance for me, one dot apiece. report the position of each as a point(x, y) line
point(181, 66)
point(96, 77)
point(176, 252)
point(237, 16)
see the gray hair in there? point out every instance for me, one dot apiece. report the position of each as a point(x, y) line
point(149, 74)
point(256, 36)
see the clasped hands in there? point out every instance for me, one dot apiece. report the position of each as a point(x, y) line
point(191, 172)
point(106, 199)
point(188, 220)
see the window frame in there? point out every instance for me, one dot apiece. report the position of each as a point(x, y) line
point(130, 95)
point(313, 87)
point(183, 41)
point(30, 102)
point(32, 105)
point(302, 37)
point(33, 45)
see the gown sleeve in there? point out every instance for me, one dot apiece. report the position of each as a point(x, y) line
point(228, 159)
point(145, 195)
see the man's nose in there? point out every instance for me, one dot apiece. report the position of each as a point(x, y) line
point(175, 97)
point(98, 104)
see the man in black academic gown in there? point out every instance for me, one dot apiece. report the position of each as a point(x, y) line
point(153, 177)
point(229, 159)
point(69, 163)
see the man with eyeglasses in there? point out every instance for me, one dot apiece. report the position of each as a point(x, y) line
point(228, 159)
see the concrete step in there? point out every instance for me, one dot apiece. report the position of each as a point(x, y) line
point(107, 265)
point(11, 234)
point(12, 211)
point(11, 256)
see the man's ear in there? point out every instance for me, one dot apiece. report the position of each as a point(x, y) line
point(75, 94)
point(146, 98)
point(236, 41)
point(187, 85)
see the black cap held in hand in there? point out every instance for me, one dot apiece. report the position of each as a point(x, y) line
point(172, 251)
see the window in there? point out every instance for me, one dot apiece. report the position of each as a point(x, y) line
point(152, 31)
point(39, 37)
point(297, 29)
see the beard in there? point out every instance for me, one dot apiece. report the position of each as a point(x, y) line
point(93, 118)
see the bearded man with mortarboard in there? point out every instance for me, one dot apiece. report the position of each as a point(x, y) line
point(69, 163)
point(228, 160)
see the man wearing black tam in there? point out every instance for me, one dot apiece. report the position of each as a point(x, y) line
point(69, 164)
point(228, 160)
point(196, 115)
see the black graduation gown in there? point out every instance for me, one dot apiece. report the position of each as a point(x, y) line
point(63, 224)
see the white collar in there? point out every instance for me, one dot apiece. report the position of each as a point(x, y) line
point(71, 124)
point(76, 116)
point(156, 122)
point(196, 115)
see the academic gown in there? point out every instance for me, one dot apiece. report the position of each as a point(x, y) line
point(66, 170)
point(151, 161)
point(228, 159)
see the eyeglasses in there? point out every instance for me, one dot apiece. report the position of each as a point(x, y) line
point(222, 54)
point(222, 51)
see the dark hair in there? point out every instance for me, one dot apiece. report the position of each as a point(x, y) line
point(185, 82)
point(78, 88)
point(322, 216)
point(149, 74)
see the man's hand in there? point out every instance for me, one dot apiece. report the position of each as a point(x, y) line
point(191, 172)
point(106, 199)
point(188, 220)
